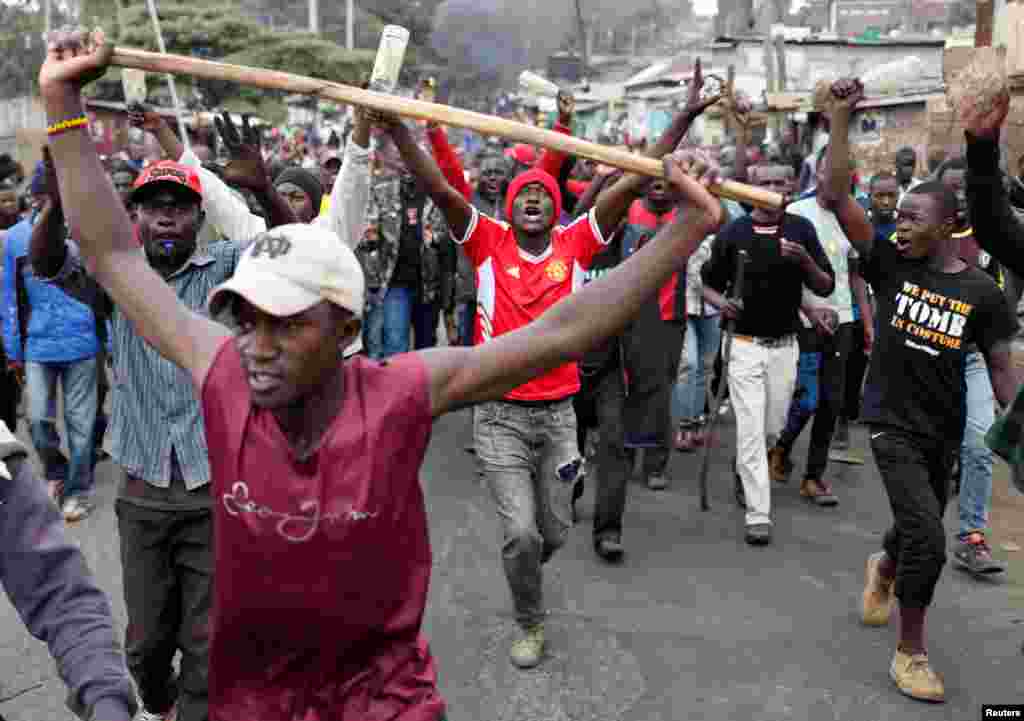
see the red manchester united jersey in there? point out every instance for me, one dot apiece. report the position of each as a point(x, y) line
point(515, 287)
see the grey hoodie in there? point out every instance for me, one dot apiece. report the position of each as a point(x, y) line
point(46, 578)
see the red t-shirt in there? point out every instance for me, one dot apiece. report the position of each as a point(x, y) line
point(321, 565)
point(515, 288)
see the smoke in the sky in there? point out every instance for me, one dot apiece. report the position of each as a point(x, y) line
point(506, 36)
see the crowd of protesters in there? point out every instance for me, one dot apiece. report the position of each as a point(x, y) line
point(252, 320)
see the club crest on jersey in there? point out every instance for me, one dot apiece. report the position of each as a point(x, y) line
point(557, 271)
point(272, 246)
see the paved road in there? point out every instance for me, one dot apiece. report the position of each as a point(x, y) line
point(695, 625)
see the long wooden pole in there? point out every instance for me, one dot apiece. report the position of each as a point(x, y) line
point(443, 114)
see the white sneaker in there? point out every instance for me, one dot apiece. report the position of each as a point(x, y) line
point(76, 508)
point(145, 715)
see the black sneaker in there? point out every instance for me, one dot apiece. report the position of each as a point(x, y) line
point(610, 549)
point(841, 439)
point(974, 556)
point(577, 493)
point(759, 534)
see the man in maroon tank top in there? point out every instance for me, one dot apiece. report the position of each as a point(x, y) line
point(315, 460)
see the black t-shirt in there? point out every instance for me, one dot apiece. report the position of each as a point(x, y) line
point(773, 286)
point(410, 240)
point(926, 321)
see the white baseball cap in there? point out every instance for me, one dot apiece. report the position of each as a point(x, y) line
point(291, 268)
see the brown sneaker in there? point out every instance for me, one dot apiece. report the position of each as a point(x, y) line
point(777, 465)
point(878, 598)
point(915, 678)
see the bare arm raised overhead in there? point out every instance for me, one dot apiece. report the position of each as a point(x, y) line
point(103, 229)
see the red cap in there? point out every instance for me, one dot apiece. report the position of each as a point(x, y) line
point(522, 153)
point(527, 178)
point(167, 171)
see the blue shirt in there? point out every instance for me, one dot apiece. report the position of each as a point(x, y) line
point(59, 327)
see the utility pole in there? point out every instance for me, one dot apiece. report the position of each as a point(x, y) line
point(350, 25)
point(47, 17)
point(983, 24)
point(582, 35)
point(314, 16)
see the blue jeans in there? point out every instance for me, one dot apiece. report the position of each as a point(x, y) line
point(805, 396)
point(530, 461)
point(703, 334)
point(465, 314)
point(78, 380)
point(397, 320)
point(975, 456)
point(373, 330)
point(425, 317)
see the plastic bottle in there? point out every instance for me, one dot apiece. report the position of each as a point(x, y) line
point(533, 84)
point(390, 55)
point(893, 77)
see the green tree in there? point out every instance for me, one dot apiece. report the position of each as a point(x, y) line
point(22, 46)
point(221, 32)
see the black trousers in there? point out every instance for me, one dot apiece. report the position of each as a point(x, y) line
point(856, 367)
point(167, 562)
point(10, 398)
point(600, 405)
point(651, 349)
point(835, 350)
point(916, 473)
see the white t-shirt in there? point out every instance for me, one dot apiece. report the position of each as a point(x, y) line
point(837, 247)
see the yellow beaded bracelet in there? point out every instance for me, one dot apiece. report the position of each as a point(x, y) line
point(65, 125)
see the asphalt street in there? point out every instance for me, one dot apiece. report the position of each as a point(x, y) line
point(693, 625)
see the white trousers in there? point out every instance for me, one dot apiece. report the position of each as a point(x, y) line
point(761, 383)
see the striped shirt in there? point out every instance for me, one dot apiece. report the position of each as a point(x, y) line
point(153, 403)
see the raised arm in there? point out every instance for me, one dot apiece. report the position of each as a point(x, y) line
point(613, 202)
point(47, 249)
point(584, 320)
point(854, 220)
point(457, 210)
point(225, 211)
point(997, 227)
point(346, 215)
point(103, 228)
point(247, 169)
point(448, 160)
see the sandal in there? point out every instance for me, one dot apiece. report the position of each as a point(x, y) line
point(818, 493)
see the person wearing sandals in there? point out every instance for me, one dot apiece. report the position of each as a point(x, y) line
point(702, 337)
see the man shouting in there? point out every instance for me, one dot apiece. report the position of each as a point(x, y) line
point(321, 544)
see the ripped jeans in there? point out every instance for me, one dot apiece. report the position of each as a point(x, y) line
point(530, 460)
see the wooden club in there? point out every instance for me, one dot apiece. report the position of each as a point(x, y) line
point(443, 114)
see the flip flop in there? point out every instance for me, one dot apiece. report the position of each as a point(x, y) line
point(848, 457)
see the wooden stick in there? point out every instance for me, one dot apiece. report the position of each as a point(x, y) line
point(443, 114)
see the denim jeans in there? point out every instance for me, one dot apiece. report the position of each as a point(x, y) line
point(830, 386)
point(975, 455)
point(78, 382)
point(425, 317)
point(373, 330)
point(465, 315)
point(530, 461)
point(916, 473)
point(703, 334)
point(397, 320)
